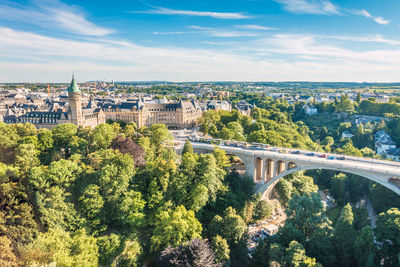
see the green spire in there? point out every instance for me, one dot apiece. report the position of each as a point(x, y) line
point(73, 87)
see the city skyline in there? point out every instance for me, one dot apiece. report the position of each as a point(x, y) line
point(252, 40)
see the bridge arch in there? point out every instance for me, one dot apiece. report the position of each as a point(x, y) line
point(391, 183)
point(274, 166)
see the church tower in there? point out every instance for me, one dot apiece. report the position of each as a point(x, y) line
point(75, 103)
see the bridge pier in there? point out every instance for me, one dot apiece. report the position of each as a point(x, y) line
point(267, 167)
point(259, 168)
point(270, 169)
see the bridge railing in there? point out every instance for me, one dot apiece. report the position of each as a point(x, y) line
point(289, 150)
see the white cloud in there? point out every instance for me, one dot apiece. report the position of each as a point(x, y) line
point(381, 20)
point(254, 27)
point(226, 33)
point(166, 33)
point(218, 15)
point(196, 27)
point(218, 43)
point(371, 39)
point(32, 57)
point(366, 14)
point(52, 14)
point(309, 6)
point(218, 32)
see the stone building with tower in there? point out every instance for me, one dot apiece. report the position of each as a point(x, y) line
point(74, 113)
point(74, 109)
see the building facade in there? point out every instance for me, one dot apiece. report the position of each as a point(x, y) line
point(89, 116)
point(182, 114)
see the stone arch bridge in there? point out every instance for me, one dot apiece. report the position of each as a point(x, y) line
point(267, 167)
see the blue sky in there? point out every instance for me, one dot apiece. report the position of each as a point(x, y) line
point(237, 40)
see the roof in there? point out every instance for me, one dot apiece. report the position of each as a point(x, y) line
point(73, 87)
point(393, 151)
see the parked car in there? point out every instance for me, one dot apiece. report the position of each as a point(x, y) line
point(274, 149)
point(310, 154)
point(322, 156)
point(331, 157)
point(341, 158)
point(283, 151)
point(295, 152)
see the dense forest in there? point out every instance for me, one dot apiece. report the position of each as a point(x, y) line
point(118, 195)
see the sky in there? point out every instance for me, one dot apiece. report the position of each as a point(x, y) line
point(186, 40)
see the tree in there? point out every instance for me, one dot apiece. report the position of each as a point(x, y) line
point(91, 204)
point(349, 149)
point(296, 256)
point(26, 157)
point(7, 255)
point(130, 255)
point(388, 233)
point(187, 148)
point(108, 248)
point(102, 136)
point(221, 249)
point(159, 135)
point(358, 98)
point(262, 210)
point(63, 133)
point(126, 145)
point(306, 214)
point(221, 158)
point(296, 183)
point(260, 255)
point(345, 235)
point(367, 152)
point(194, 253)
point(209, 174)
point(62, 248)
point(345, 105)
point(174, 227)
point(130, 129)
point(8, 136)
point(364, 247)
point(338, 188)
point(231, 226)
point(275, 254)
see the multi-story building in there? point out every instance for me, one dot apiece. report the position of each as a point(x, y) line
point(76, 109)
point(88, 116)
point(182, 114)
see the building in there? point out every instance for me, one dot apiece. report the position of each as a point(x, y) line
point(88, 116)
point(310, 110)
point(182, 114)
point(244, 107)
point(305, 98)
point(218, 105)
point(393, 153)
point(347, 134)
point(383, 142)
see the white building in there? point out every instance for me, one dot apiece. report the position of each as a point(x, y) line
point(383, 142)
point(310, 110)
point(347, 134)
point(393, 153)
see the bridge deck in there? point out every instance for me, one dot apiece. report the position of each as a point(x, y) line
point(362, 164)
